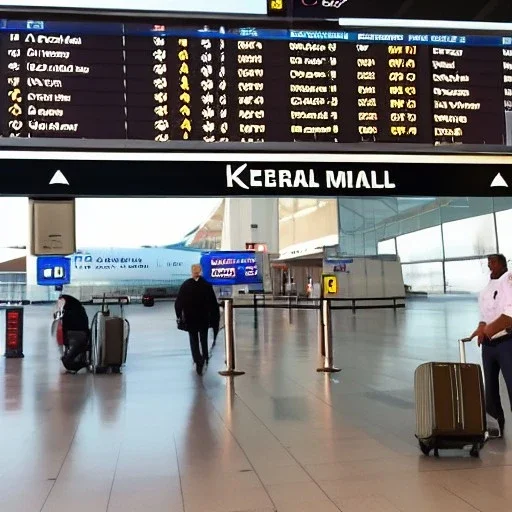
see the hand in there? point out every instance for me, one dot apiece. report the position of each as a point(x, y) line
point(488, 332)
point(480, 334)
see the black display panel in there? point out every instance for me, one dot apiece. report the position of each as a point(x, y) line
point(468, 95)
point(507, 77)
point(210, 174)
point(161, 83)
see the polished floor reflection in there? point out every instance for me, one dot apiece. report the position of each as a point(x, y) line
point(279, 438)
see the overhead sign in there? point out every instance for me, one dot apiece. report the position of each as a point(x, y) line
point(231, 268)
point(342, 265)
point(330, 284)
point(118, 80)
point(322, 9)
point(53, 271)
point(204, 174)
point(207, 6)
point(396, 9)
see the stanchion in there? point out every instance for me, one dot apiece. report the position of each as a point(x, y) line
point(14, 333)
point(325, 338)
point(229, 338)
point(255, 307)
point(321, 338)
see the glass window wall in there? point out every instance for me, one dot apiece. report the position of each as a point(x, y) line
point(443, 243)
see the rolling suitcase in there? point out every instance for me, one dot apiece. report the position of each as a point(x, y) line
point(112, 343)
point(450, 406)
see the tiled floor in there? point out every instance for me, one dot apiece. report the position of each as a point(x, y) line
point(281, 437)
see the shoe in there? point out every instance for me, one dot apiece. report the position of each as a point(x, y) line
point(199, 369)
point(497, 433)
point(501, 426)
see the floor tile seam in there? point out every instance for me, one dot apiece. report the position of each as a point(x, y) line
point(121, 444)
point(179, 473)
point(287, 451)
point(238, 442)
point(89, 393)
point(453, 493)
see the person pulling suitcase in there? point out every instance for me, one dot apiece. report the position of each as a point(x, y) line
point(494, 334)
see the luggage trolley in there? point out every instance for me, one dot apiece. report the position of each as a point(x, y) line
point(109, 351)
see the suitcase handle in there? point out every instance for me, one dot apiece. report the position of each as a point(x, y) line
point(462, 349)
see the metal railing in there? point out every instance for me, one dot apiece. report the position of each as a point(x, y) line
point(291, 303)
point(324, 307)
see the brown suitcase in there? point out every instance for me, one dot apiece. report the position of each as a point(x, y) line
point(114, 354)
point(112, 343)
point(450, 406)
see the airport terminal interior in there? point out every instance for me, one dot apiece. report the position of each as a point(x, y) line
point(281, 437)
point(340, 171)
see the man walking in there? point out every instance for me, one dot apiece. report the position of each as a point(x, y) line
point(197, 308)
point(493, 333)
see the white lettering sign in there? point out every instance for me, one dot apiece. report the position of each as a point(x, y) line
point(244, 177)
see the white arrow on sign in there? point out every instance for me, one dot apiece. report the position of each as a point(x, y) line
point(59, 179)
point(499, 181)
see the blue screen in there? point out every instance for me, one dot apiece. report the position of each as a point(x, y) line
point(53, 270)
point(230, 268)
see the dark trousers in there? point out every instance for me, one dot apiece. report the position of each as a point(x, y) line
point(199, 357)
point(495, 358)
point(77, 344)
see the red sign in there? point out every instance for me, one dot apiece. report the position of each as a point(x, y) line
point(14, 332)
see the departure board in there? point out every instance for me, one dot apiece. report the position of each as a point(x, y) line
point(507, 77)
point(212, 84)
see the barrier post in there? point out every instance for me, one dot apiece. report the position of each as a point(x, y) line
point(255, 307)
point(14, 333)
point(326, 333)
point(321, 338)
point(229, 341)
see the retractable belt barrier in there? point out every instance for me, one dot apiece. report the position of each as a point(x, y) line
point(326, 351)
point(229, 341)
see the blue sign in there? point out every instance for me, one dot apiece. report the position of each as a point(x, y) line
point(230, 268)
point(53, 271)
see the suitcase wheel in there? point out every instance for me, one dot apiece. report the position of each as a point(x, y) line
point(116, 369)
point(475, 451)
point(425, 448)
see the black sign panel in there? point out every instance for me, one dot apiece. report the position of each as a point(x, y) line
point(63, 85)
point(464, 98)
point(507, 77)
point(498, 11)
point(160, 83)
point(329, 9)
point(204, 176)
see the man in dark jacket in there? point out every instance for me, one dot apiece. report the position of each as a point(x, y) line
point(196, 305)
point(75, 328)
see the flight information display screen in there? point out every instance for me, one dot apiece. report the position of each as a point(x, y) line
point(155, 82)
